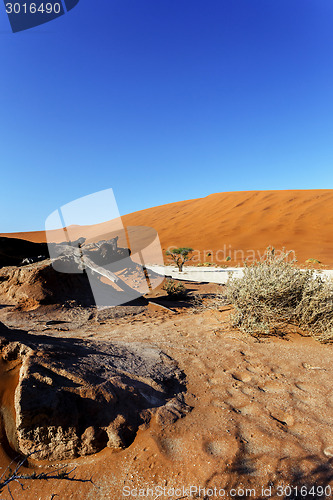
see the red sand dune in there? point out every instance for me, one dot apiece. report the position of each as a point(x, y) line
point(237, 224)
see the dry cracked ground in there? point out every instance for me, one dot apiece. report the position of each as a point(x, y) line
point(157, 403)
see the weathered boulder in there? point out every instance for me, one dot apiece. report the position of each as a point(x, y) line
point(40, 283)
point(75, 272)
point(75, 397)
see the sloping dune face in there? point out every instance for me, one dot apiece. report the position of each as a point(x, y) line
point(239, 225)
point(242, 224)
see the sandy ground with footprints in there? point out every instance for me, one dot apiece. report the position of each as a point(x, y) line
point(262, 411)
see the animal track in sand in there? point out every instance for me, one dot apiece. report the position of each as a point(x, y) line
point(219, 392)
point(217, 376)
point(310, 394)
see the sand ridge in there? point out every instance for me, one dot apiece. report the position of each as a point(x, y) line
point(234, 223)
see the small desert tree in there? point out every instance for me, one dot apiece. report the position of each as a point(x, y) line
point(180, 256)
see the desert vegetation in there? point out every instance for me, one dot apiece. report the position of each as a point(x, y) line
point(175, 289)
point(206, 264)
point(177, 360)
point(274, 293)
point(180, 256)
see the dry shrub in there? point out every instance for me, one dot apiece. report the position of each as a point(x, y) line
point(274, 293)
point(315, 310)
point(175, 289)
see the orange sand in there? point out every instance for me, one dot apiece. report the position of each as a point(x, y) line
point(236, 224)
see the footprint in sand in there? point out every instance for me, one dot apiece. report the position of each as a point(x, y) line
point(307, 399)
point(216, 380)
point(213, 381)
point(218, 392)
point(242, 376)
point(200, 364)
point(249, 391)
point(215, 448)
point(291, 449)
point(258, 369)
point(226, 448)
point(308, 386)
point(219, 403)
point(251, 409)
point(237, 399)
point(282, 417)
point(274, 386)
point(171, 447)
point(302, 430)
point(308, 393)
point(263, 443)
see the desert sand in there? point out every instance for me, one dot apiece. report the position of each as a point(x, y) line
point(261, 411)
point(235, 224)
point(256, 419)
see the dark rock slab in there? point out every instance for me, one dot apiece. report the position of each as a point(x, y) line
point(74, 397)
point(14, 251)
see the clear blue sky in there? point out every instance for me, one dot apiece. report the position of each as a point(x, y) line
point(164, 100)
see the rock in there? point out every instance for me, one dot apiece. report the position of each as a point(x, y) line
point(328, 451)
point(29, 286)
point(93, 440)
point(75, 272)
point(39, 283)
point(76, 397)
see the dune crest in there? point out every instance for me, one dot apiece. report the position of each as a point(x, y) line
point(236, 224)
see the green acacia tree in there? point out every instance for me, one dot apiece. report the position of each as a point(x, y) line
point(180, 256)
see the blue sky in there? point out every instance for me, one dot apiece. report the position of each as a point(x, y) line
point(164, 100)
